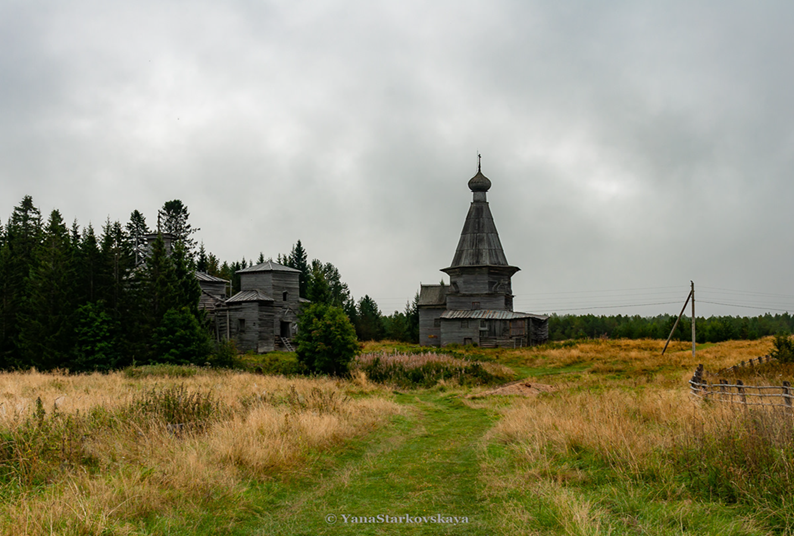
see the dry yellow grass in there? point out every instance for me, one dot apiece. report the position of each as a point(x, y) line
point(623, 423)
point(636, 427)
point(268, 425)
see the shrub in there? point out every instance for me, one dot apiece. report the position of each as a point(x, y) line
point(176, 405)
point(783, 348)
point(162, 370)
point(426, 370)
point(225, 355)
point(326, 339)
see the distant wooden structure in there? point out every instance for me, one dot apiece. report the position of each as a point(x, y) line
point(477, 305)
point(213, 292)
point(263, 316)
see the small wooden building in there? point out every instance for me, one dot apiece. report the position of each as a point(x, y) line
point(263, 316)
point(477, 305)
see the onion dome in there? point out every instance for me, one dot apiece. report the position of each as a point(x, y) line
point(479, 183)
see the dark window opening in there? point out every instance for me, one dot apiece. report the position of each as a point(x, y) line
point(285, 330)
point(284, 296)
point(241, 325)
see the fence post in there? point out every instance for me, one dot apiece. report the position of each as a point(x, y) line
point(723, 383)
point(787, 394)
point(740, 387)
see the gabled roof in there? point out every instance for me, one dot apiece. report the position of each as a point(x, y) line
point(432, 295)
point(268, 266)
point(487, 314)
point(249, 296)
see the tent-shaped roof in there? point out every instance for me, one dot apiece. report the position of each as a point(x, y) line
point(479, 243)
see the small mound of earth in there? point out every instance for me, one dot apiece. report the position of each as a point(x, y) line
point(520, 387)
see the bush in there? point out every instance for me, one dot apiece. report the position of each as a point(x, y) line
point(225, 355)
point(176, 405)
point(326, 339)
point(783, 348)
point(408, 371)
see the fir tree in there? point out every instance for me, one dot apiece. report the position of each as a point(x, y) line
point(299, 260)
point(46, 330)
point(22, 237)
point(201, 259)
point(370, 322)
point(97, 339)
point(91, 276)
point(173, 218)
point(137, 231)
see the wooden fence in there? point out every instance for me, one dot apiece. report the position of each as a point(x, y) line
point(739, 393)
point(751, 363)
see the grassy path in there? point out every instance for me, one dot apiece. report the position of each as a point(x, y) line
point(426, 464)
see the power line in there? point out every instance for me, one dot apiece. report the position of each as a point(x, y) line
point(597, 291)
point(610, 306)
point(747, 306)
point(749, 292)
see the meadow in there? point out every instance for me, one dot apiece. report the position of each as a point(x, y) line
point(615, 445)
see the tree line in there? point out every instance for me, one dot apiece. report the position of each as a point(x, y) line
point(712, 329)
point(78, 299)
point(74, 299)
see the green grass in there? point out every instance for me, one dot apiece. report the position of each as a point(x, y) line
point(426, 463)
point(438, 458)
point(435, 460)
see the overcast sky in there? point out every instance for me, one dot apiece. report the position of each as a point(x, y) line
point(632, 146)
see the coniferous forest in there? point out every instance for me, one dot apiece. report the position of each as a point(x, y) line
point(83, 299)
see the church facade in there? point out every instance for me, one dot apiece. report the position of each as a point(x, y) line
point(477, 305)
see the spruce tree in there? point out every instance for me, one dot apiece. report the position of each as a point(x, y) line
point(46, 328)
point(137, 231)
point(91, 276)
point(299, 260)
point(116, 291)
point(370, 320)
point(173, 218)
point(22, 237)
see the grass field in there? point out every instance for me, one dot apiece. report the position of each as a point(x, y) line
point(617, 447)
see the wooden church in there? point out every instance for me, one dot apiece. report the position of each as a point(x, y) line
point(477, 305)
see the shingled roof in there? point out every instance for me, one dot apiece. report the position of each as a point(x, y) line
point(479, 243)
point(433, 295)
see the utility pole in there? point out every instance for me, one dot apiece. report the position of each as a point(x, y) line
point(677, 320)
point(692, 293)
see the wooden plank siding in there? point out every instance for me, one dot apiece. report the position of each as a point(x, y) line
point(430, 326)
